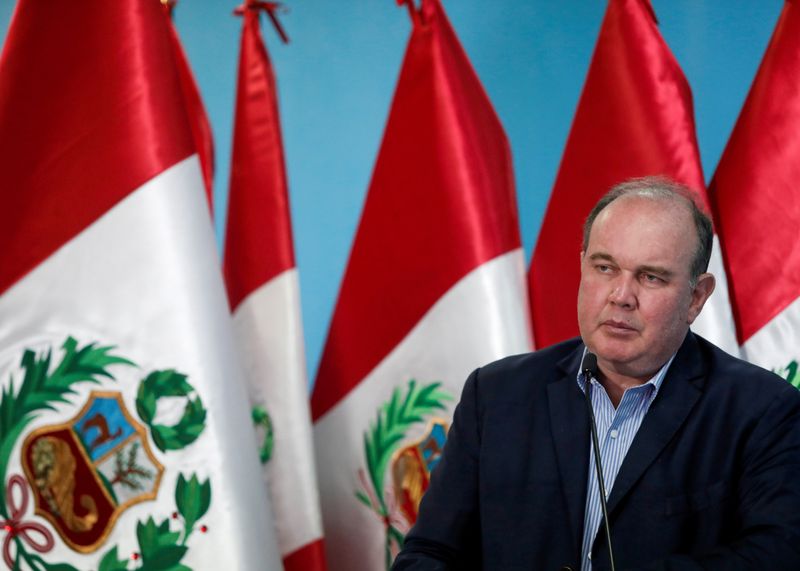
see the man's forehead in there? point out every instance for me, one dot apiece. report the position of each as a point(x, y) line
point(659, 227)
point(648, 204)
point(631, 208)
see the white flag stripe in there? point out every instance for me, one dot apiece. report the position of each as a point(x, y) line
point(269, 332)
point(145, 277)
point(715, 322)
point(778, 342)
point(482, 318)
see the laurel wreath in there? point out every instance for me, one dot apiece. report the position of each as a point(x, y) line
point(385, 435)
point(170, 383)
point(161, 548)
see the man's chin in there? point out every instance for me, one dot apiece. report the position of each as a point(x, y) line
point(627, 365)
point(612, 348)
point(621, 360)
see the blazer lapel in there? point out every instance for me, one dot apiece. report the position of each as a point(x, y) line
point(676, 398)
point(570, 425)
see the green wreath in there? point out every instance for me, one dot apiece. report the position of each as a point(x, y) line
point(161, 546)
point(170, 383)
point(262, 419)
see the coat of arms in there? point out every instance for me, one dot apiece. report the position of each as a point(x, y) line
point(411, 465)
point(83, 474)
point(86, 472)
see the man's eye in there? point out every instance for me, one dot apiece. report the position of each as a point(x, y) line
point(603, 268)
point(650, 278)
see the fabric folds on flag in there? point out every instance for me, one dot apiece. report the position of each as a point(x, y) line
point(263, 290)
point(125, 439)
point(634, 118)
point(757, 206)
point(196, 111)
point(434, 287)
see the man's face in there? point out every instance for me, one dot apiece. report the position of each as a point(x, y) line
point(635, 302)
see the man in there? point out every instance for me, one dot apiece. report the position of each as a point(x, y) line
point(700, 451)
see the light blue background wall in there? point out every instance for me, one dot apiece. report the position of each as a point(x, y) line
point(337, 76)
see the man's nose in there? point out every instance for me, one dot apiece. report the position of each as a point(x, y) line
point(623, 293)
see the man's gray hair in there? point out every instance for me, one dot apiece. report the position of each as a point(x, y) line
point(662, 188)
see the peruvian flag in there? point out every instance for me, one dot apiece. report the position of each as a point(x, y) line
point(125, 433)
point(634, 119)
point(434, 287)
point(195, 110)
point(757, 206)
point(263, 290)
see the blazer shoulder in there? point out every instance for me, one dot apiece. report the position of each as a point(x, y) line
point(529, 371)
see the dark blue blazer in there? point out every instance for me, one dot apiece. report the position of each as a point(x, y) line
point(711, 480)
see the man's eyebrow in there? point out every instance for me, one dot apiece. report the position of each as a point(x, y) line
point(646, 269)
point(657, 270)
point(601, 256)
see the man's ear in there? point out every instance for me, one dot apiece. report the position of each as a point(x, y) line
point(702, 291)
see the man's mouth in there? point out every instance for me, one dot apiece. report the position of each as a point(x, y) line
point(619, 327)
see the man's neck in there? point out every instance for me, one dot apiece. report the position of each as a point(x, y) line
point(616, 383)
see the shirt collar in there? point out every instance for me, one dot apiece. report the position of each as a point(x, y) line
point(655, 381)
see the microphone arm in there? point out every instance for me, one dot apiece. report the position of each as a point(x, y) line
point(589, 367)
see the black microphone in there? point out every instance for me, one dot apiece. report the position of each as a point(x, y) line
point(589, 368)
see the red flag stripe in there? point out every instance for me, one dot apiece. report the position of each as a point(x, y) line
point(60, 170)
point(441, 203)
point(198, 119)
point(258, 246)
point(754, 190)
point(635, 118)
point(308, 557)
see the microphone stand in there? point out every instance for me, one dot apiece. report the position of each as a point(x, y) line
point(587, 373)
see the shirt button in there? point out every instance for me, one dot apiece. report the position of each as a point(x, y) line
point(614, 433)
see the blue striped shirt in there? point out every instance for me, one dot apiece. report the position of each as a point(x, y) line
point(616, 429)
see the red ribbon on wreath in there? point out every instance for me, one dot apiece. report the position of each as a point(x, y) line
point(14, 526)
